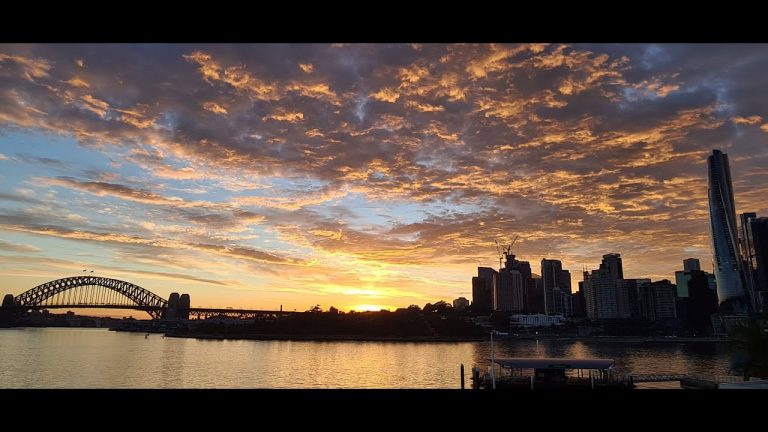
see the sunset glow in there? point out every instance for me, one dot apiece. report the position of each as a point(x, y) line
point(365, 177)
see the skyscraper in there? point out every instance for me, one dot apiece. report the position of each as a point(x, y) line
point(722, 216)
point(691, 264)
point(483, 290)
point(612, 263)
point(755, 253)
point(557, 287)
point(605, 293)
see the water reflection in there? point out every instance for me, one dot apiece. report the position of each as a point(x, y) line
point(637, 358)
point(96, 358)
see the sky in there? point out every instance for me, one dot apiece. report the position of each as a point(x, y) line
point(366, 176)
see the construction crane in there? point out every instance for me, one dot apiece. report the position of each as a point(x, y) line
point(505, 251)
point(499, 251)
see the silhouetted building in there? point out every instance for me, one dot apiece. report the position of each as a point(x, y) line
point(612, 263)
point(460, 303)
point(535, 296)
point(604, 294)
point(681, 283)
point(483, 290)
point(690, 264)
point(657, 300)
point(760, 259)
point(722, 215)
point(513, 283)
point(631, 288)
point(577, 301)
point(510, 292)
point(557, 287)
point(754, 244)
point(701, 301)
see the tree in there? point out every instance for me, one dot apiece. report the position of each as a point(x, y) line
point(752, 338)
point(440, 306)
point(333, 311)
point(316, 309)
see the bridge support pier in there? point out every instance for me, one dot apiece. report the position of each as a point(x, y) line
point(9, 311)
point(178, 307)
point(183, 310)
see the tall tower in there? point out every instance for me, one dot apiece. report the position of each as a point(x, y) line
point(612, 263)
point(557, 287)
point(691, 264)
point(722, 216)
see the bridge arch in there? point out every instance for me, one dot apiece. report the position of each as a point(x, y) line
point(140, 298)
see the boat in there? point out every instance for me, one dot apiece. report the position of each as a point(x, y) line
point(549, 373)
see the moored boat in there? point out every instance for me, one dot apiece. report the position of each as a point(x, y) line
point(549, 373)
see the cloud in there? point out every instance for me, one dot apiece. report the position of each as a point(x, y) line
point(13, 247)
point(751, 120)
point(391, 157)
point(286, 116)
point(104, 189)
point(424, 107)
point(386, 95)
point(214, 108)
point(31, 68)
point(77, 82)
point(235, 76)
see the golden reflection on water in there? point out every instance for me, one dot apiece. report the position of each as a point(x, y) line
point(97, 358)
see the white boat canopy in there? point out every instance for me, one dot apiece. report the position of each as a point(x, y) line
point(554, 363)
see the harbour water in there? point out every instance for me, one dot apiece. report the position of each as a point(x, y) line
point(98, 358)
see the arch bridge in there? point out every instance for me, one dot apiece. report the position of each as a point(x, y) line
point(94, 292)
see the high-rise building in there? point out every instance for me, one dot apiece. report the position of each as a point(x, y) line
point(681, 283)
point(612, 263)
point(535, 296)
point(701, 302)
point(604, 292)
point(657, 300)
point(632, 289)
point(682, 277)
point(754, 241)
point(483, 290)
point(722, 216)
point(690, 264)
point(557, 287)
point(510, 292)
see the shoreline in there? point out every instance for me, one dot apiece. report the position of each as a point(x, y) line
point(341, 338)
point(320, 338)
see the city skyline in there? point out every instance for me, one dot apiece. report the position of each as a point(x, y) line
point(366, 176)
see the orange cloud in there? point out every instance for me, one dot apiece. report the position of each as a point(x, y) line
point(386, 95)
point(33, 68)
point(214, 108)
point(235, 76)
point(77, 82)
point(751, 120)
point(424, 107)
point(286, 116)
